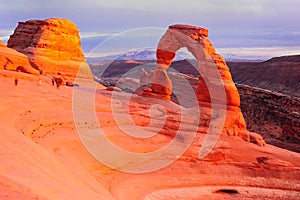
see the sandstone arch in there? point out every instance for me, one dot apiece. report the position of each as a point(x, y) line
point(216, 92)
point(196, 41)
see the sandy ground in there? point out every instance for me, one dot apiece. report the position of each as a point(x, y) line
point(42, 156)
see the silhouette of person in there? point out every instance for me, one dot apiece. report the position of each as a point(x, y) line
point(16, 81)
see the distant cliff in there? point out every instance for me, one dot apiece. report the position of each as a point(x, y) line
point(272, 114)
point(275, 116)
point(280, 74)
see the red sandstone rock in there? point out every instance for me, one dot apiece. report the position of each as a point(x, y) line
point(52, 45)
point(57, 39)
point(42, 156)
point(10, 59)
point(215, 84)
point(2, 44)
point(195, 40)
point(261, 74)
point(275, 116)
point(28, 69)
point(112, 88)
point(161, 84)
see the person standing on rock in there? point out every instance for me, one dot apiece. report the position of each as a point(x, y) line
point(16, 81)
point(58, 82)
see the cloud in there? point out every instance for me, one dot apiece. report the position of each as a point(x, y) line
point(123, 41)
point(136, 12)
point(179, 5)
point(232, 23)
point(84, 35)
point(259, 52)
point(4, 34)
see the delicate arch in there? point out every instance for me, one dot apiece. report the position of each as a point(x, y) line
point(196, 41)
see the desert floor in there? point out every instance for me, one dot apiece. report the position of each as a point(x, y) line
point(42, 156)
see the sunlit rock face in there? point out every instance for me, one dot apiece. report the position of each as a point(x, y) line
point(215, 84)
point(52, 45)
point(42, 156)
point(11, 59)
point(196, 41)
point(57, 39)
point(2, 44)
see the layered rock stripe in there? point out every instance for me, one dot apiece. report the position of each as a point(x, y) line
point(51, 46)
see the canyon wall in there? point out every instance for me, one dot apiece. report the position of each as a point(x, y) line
point(275, 116)
point(279, 74)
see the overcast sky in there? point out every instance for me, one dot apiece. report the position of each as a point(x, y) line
point(268, 26)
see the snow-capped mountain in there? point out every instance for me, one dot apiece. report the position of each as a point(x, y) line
point(146, 54)
point(149, 54)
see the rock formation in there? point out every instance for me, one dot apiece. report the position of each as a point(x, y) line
point(275, 116)
point(196, 41)
point(52, 45)
point(215, 84)
point(2, 44)
point(10, 59)
point(28, 69)
point(261, 74)
point(42, 156)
